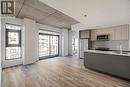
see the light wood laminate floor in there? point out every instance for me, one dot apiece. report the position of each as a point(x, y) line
point(58, 72)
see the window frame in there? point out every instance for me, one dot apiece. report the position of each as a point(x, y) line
point(7, 39)
point(50, 56)
point(13, 45)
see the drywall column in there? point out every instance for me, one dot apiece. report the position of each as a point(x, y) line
point(0, 55)
point(129, 36)
point(64, 42)
point(75, 30)
point(70, 42)
point(30, 42)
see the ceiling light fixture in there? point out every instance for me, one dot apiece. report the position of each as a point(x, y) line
point(85, 15)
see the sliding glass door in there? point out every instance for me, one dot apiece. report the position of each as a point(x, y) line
point(54, 45)
point(43, 45)
point(48, 45)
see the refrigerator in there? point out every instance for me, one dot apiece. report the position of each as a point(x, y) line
point(83, 46)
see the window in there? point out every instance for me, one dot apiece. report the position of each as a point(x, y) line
point(74, 45)
point(13, 41)
point(43, 45)
point(48, 44)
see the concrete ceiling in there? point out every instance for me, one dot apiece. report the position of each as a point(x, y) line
point(94, 13)
point(41, 13)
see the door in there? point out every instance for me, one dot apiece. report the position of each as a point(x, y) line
point(54, 46)
point(43, 46)
point(48, 45)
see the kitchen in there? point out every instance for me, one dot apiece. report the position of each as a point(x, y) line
point(106, 50)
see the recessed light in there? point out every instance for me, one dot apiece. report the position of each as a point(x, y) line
point(85, 15)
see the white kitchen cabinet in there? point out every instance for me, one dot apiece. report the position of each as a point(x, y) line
point(99, 31)
point(117, 33)
point(125, 32)
point(111, 34)
point(121, 32)
point(105, 31)
point(93, 35)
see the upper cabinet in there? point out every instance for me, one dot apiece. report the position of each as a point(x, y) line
point(125, 32)
point(84, 34)
point(115, 33)
point(93, 35)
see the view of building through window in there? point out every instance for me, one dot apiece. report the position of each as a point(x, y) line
point(48, 44)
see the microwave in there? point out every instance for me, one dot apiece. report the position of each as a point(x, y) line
point(103, 37)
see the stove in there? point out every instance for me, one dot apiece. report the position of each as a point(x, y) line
point(102, 49)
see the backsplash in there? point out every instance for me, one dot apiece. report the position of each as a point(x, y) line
point(112, 45)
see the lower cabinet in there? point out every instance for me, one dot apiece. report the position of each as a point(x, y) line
point(117, 65)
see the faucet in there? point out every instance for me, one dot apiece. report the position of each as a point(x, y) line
point(120, 48)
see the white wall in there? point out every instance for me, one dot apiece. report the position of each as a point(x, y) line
point(64, 42)
point(129, 36)
point(70, 42)
point(30, 42)
point(7, 63)
point(0, 55)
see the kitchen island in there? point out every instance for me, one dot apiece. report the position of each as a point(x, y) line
point(109, 62)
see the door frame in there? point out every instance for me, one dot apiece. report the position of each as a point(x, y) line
point(46, 57)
